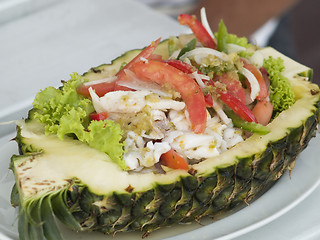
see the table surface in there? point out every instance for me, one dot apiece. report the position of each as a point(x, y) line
point(40, 43)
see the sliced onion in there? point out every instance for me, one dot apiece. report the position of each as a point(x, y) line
point(255, 87)
point(175, 54)
point(137, 84)
point(257, 59)
point(231, 47)
point(223, 116)
point(103, 80)
point(204, 52)
point(96, 101)
point(205, 77)
point(197, 77)
point(205, 23)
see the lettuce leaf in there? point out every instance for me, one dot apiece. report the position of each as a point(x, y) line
point(106, 136)
point(281, 93)
point(53, 105)
point(241, 41)
point(65, 113)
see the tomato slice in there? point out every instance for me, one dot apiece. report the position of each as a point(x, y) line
point(263, 111)
point(263, 86)
point(235, 104)
point(187, 68)
point(99, 116)
point(233, 85)
point(145, 53)
point(100, 88)
point(238, 107)
point(182, 66)
point(162, 73)
point(198, 29)
point(173, 160)
point(155, 57)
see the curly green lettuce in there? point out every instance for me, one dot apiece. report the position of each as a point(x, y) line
point(281, 93)
point(66, 113)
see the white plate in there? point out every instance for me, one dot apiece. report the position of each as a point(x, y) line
point(283, 196)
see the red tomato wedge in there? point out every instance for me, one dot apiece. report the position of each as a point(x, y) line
point(187, 68)
point(155, 57)
point(235, 104)
point(100, 88)
point(99, 116)
point(238, 107)
point(162, 73)
point(173, 160)
point(233, 85)
point(198, 29)
point(263, 111)
point(182, 66)
point(263, 86)
point(145, 53)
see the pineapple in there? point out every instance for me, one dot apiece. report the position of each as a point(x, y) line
point(87, 191)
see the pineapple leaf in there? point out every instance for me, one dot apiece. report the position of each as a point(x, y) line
point(50, 227)
point(63, 213)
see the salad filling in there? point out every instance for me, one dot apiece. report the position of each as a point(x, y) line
point(156, 114)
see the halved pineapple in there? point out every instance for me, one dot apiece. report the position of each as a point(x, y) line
point(87, 191)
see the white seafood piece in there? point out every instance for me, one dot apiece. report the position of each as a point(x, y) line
point(201, 152)
point(160, 124)
point(179, 120)
point(152, 152)
point(232, 137)
point(193, 146)
point(214, 125)
point(132, 150)
point(155, 134)
point(139, 153)
point(188, 140)
point(132, 101)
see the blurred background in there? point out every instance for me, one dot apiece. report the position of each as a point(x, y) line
point(290, 26)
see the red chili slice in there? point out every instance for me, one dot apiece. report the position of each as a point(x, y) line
point(99, 116)
point(198, 29)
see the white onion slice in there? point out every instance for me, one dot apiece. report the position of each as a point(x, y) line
point(204, 52)
point(257, 59)
point(175, 54)
point(205, 23)
point(197, 77)
point(205, 77)
point(255, 88)
point(223, 116)
point(231, 47)
point(96, 101)
point(103, 80)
